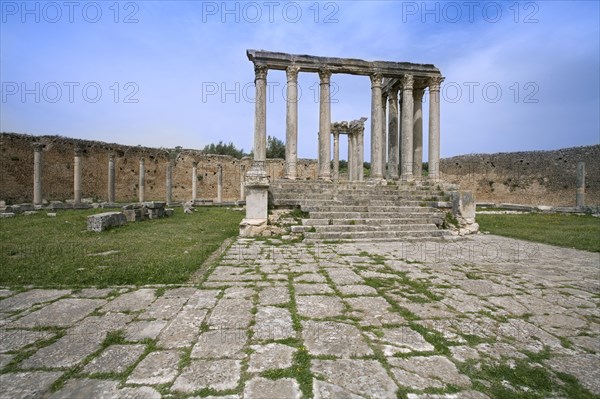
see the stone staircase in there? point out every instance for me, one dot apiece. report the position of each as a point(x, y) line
point(361, 210)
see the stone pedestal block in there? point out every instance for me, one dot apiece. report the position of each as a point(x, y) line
point(463, 205)
point(103, 221)
point(257, 197)
point(463, 209)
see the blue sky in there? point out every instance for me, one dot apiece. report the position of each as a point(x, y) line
point(519, 75)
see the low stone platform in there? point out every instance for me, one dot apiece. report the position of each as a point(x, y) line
point(348, 320)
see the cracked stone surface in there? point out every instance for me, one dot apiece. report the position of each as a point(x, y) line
point(27, 385)
point(434, 367)
point(270, 356)
point(156, 368)
point(262, 388)
point(214, 374)
point(62, 313)
point(92, 388)
point(217, 344)
point(13, 340)
point(115, 359)
point(273, 296)
point(404, 317)
point(362, 377)
point(273, 323)
point(319, 306)
point(335, 339)
point(144, 329)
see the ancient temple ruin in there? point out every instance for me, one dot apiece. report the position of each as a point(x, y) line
point(396, 147)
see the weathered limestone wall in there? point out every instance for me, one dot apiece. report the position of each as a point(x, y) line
point(532, 178)
point(16, 170)
point(529, 178)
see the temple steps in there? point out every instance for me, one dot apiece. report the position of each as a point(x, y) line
point(362, 211)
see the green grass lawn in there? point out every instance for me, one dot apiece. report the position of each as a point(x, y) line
point(54, 251)
point(571, 231)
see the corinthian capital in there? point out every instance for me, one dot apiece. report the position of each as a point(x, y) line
point(376, 79)
point(325, 75)
point(435, 82)
point(292, 73)
point(407, 82)
point(260, 71)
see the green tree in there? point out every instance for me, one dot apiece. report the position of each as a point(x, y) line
point(223, 149)
point(275, 148)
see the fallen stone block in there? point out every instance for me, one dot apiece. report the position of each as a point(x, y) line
point(169, 212)
point(135, 205)
point(155, 213)
point(133, 215)
point(7, 215)
point(103, 221)
point(155, 204)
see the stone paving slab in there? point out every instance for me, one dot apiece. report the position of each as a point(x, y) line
point(13, 340)
point(62, 313)
point(27, 385)
point(114, 359)
point(322, 320)
point(219, 375)
point(27, 299)
point(158, 367)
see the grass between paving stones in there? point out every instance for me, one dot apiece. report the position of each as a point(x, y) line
point(570, 231)
point(30, 349)
point(112, 338)
point(47, 252)
point(523, 379)
point(300, 369)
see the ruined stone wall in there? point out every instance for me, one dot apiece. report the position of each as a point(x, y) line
point(528, 178)
point(532, 178)
point(16, 170)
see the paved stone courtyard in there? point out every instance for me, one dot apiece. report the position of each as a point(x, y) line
point(436, 319)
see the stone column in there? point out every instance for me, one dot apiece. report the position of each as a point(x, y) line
point(361, 154)
point(194, 181)
point(351, 158)
point(242, 182)
point(376, 127)
point(77, 175)
point(384, 139)
point(434, 127)
point(353, 143)
point(260, 114)
point(418, 134)
point(324, 126)
point(393, 148)
point(169, 182)
point(336, 155)
point(111, 178)
point(219, 183)
point(580, 194)
point(407, 128)
point(142, 183)
point(257, 182)
point(291, 118)
point(37, 173)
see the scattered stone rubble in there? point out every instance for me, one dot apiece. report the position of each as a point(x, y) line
point(135, 212)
